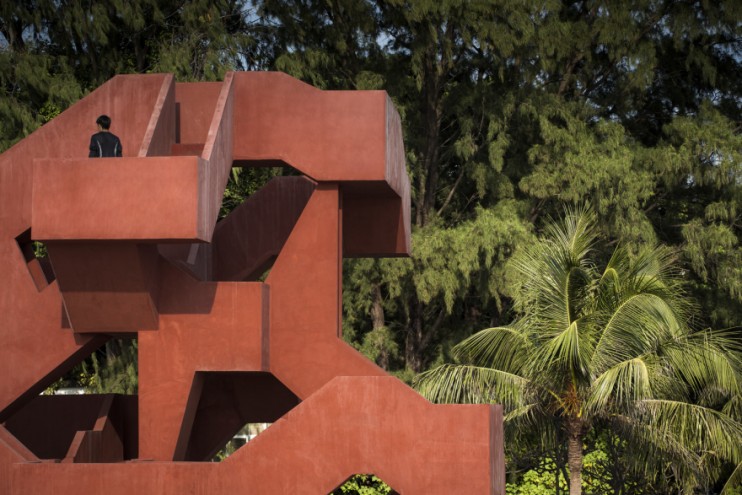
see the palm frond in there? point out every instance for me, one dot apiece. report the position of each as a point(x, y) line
point(576, 288)
point(544, 292)
point(567, 351)
point(519, 413)
point(619, 263)
point(617, 346)
point(658, 262)
point(698, 428)
point(638, 325)
point(715, 398)
point(652, 448)
point(656, 271)
point(451, 383)
point(556, 272)
point(623, 384)
point(700, 365)
point(504, 348)
point(733, 482)
point(733, 408)
point(576, 233)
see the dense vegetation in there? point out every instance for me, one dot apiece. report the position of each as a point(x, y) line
point(510, 111)
point(605, 347)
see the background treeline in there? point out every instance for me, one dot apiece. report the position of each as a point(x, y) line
point(511, 109)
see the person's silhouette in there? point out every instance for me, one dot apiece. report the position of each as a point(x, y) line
point(104, 143)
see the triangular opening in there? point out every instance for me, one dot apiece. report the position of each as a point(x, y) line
point(247, 241)
point(90, 414)
point(245, 181)
point(37, 260)
point(246, 433)
point(364, 484)
point(233, 408)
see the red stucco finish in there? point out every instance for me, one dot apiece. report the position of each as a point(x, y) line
point(135, 250)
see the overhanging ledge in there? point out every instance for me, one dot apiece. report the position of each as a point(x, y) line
point(150, 199)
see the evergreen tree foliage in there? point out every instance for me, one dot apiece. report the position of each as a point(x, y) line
point(630, 106)
point(52, 52)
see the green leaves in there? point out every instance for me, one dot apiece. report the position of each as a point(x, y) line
point(510, 110)
point(363, 484)
point(607, 346)
point(53, 52)
point(624, 384)
point(34, 87)
point(695, 427)
point(504, 348)
point(472, 384)
point(448, 261)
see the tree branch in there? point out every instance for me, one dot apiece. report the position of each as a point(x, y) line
point(452, 191)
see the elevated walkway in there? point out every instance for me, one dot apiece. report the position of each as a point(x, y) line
point(238, 319)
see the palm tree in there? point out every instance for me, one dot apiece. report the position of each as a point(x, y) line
point(604, 347)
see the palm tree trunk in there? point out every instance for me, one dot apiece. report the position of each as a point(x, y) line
point(574, 456)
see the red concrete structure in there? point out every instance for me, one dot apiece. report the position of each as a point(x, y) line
point(135, 250)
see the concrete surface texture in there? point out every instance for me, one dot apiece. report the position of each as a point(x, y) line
point(135, 251)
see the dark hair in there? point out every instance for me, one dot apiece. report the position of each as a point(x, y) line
point(104, 121)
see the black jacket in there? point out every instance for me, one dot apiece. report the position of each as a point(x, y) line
point(104, 144)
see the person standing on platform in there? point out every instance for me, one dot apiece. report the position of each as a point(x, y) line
point(104, 143)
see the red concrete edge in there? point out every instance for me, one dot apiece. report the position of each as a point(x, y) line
point(497, 449)
point(189, 415)
point(161, 127)
point(87, 346)
point(204, 326)
point(440, 449)
point(222, 117)
point(353, 425)
point(143, 199)
point(217, 152)
point(14, 446)
point(396, 169)
point(327, 135)
point(265, 329)
point(195, 103)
